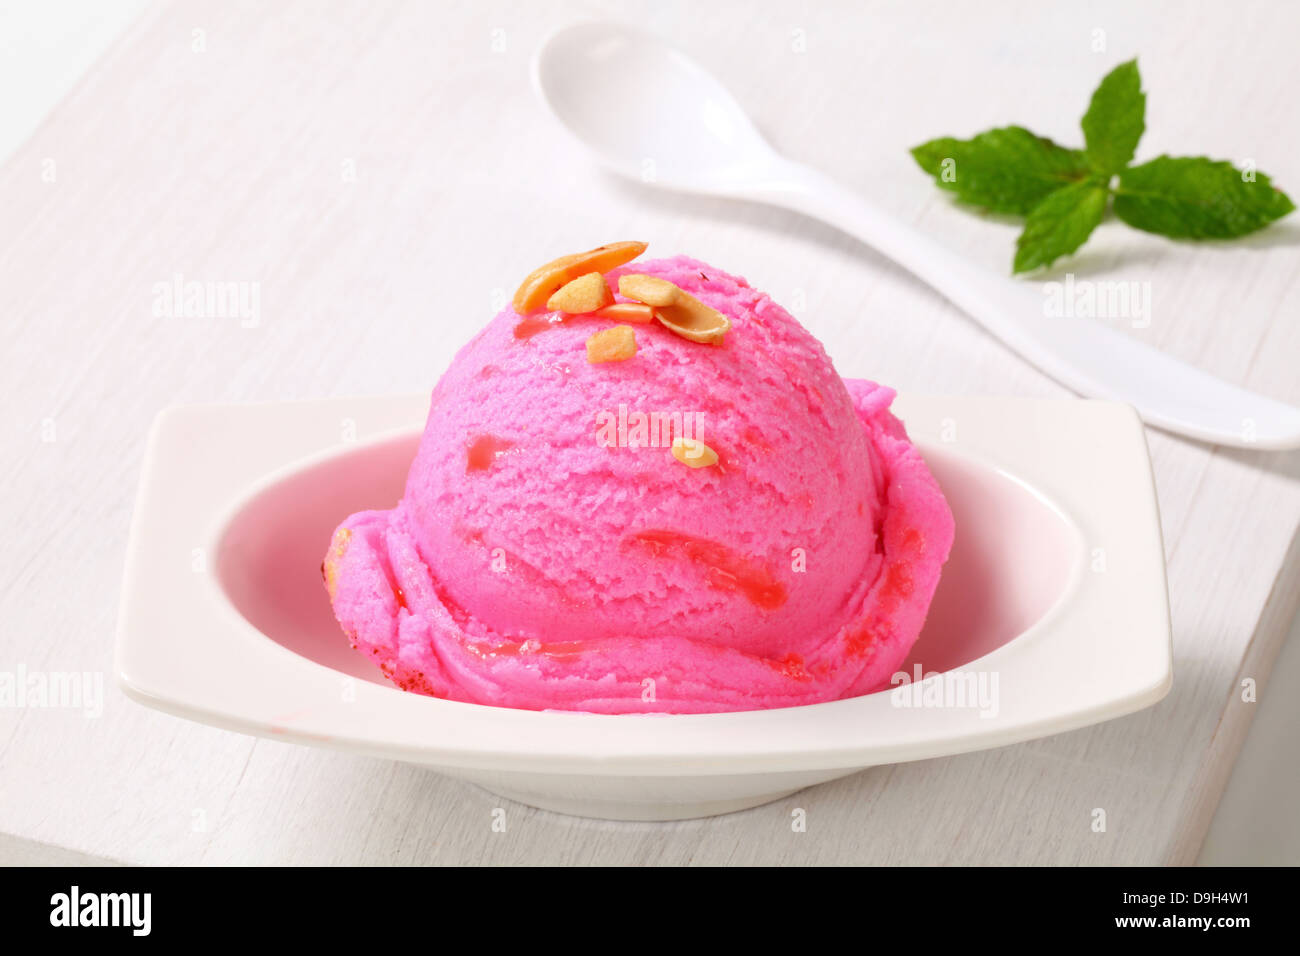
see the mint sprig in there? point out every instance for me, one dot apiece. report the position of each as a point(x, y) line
point(1116, 120)
point(1063, 192)
point(1060, 224)
point(1190, 197)
point(1007, 170)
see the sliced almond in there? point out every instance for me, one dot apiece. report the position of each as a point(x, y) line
point(694, 453)
point(544, 282)
point(584, 294)
point(648, 289)
point(612, 345)
point(692, 319)
point(338, 545)
point(627, 312)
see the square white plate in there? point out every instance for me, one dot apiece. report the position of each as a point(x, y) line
point(1052, 614)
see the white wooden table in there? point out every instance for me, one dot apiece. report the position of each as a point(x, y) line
point(383, 173)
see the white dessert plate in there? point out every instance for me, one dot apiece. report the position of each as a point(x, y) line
point(1052, 613)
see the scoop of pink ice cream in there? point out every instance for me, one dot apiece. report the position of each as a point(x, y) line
point(551, 552)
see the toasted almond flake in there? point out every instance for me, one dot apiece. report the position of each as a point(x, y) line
point(545, 281)
point(648, 289)
point(627, 312)
point(338, 544)
point(612, 345)
point(584, 294)
point(692, 319)
point(694, 453)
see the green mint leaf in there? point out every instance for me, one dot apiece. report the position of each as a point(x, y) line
point(1115, 119)
point(1191, 197)
point(1007, 170)
point(1060, 224)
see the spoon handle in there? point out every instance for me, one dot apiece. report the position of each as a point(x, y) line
point(1082, 354)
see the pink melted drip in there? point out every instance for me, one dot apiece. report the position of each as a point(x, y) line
point(724, 569)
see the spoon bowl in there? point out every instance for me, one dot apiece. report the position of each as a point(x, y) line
point(648, 111)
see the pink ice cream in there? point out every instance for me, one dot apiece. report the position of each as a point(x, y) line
point(539, 561)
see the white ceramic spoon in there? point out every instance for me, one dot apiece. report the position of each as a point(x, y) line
point(633, 99)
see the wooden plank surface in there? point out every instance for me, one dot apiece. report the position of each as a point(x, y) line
point(382, 173)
